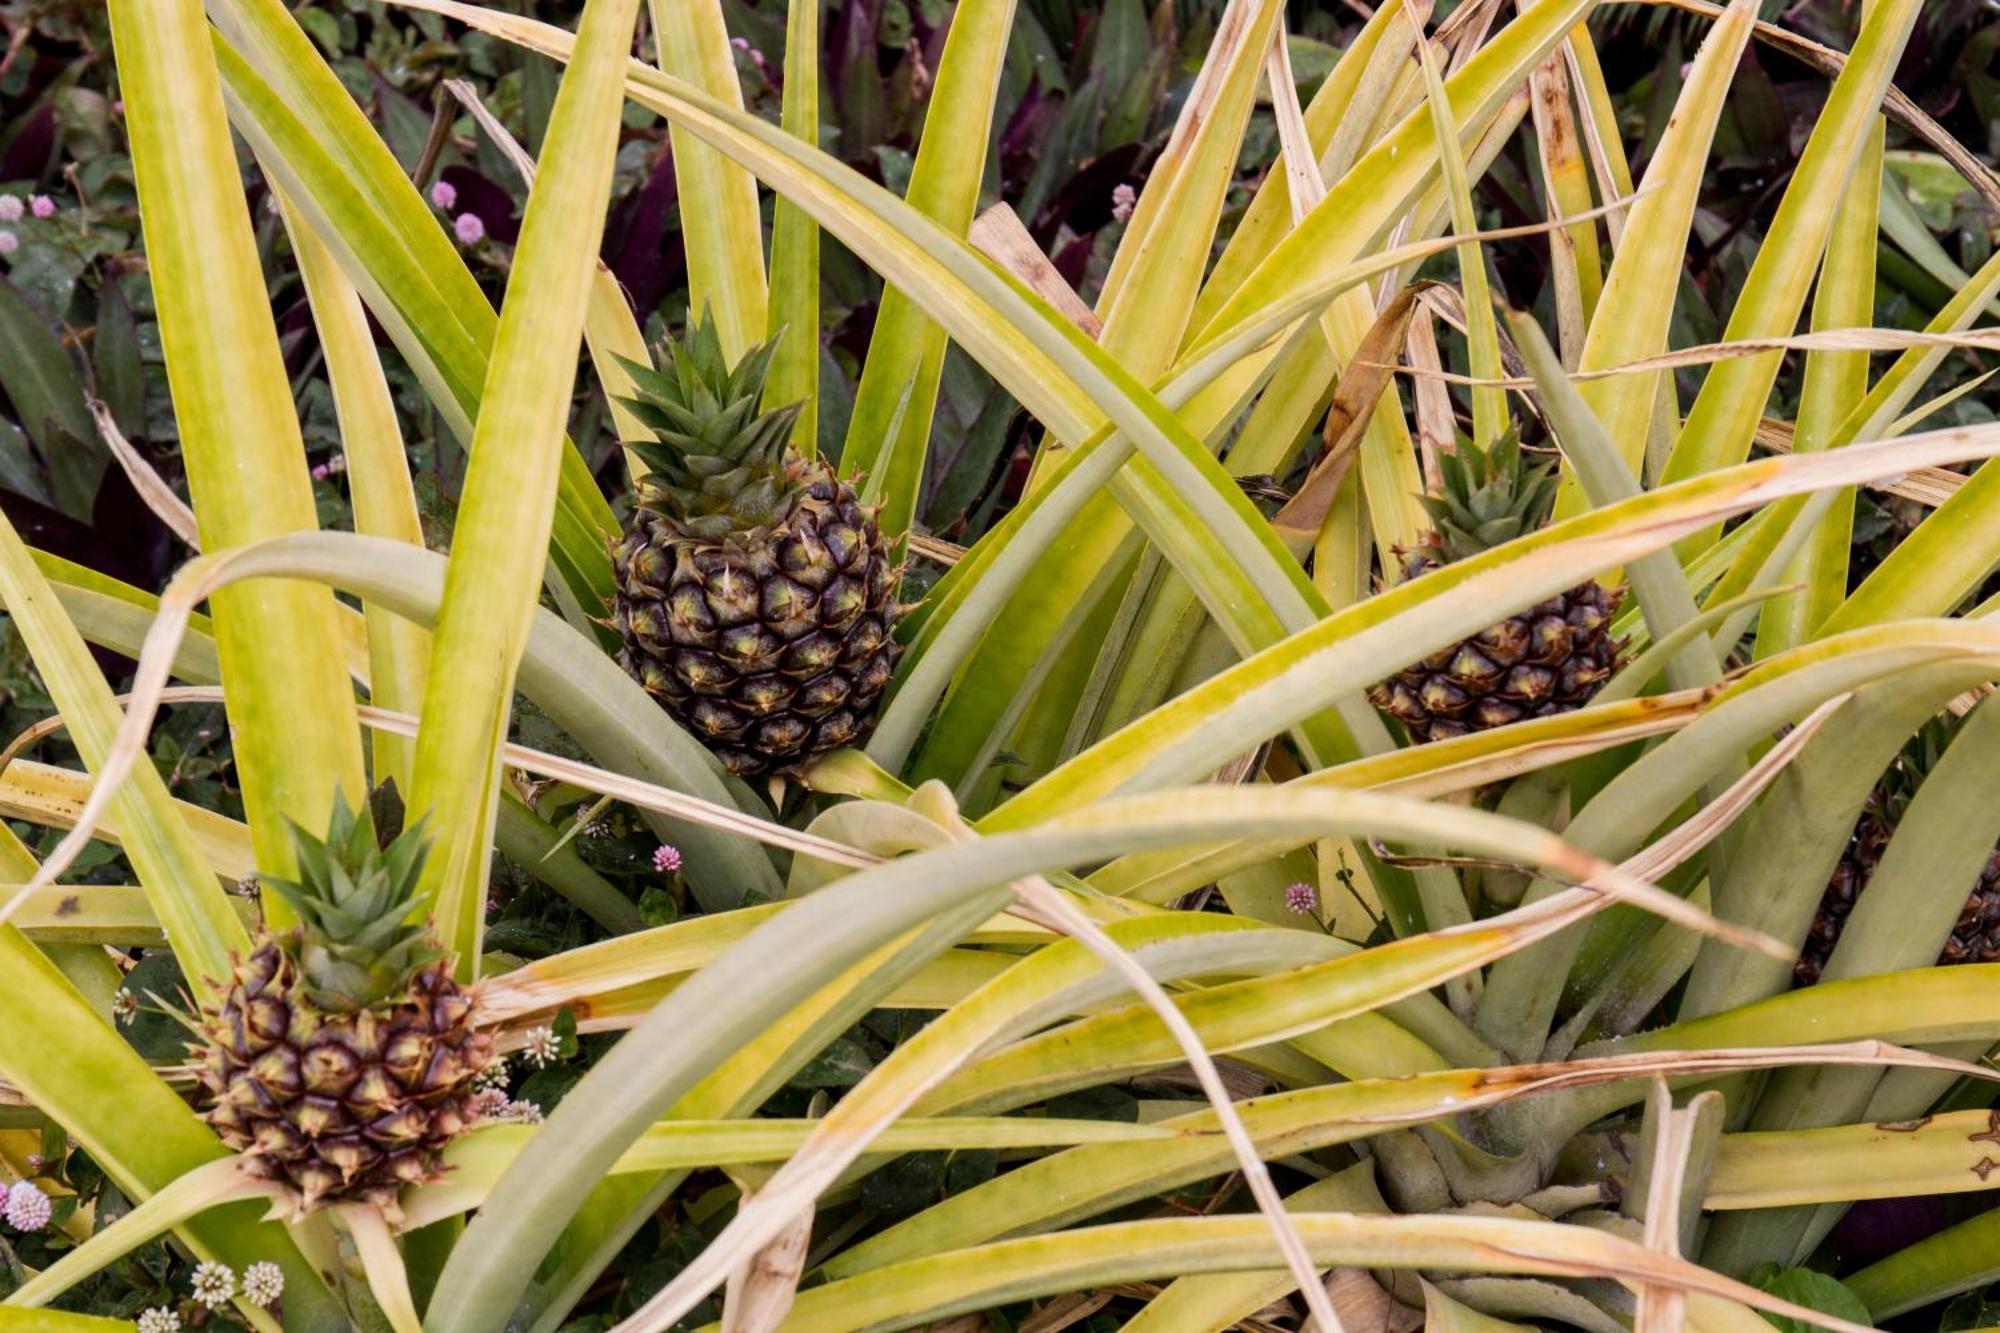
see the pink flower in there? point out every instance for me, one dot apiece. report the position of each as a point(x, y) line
point(666, 859)
point(1302, 899)
point(27, 1207)
point(468, 228)
point(9, 242)
point(42, 206)
point(11, 208)
point(444, 194)
point(1123, 198)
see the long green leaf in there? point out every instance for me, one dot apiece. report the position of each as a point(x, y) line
point(1835, 384)
point(291, 713)
point(719, 221)
point(314, 140)
point(889, 433)
point(1635, 308)
point(987, 1276)
point(508, 500)
point(180, 885)
point(794, 304)
point(378, 478)
point(567, 676)
point(1719, 425)
point(1965, 1257)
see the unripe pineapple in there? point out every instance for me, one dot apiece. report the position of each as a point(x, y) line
point(339, 1057)
point(1550, 658)
point(755, 591)
point(1975, 938)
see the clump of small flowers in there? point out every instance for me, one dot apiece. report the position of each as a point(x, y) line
point(1123, 199)
point(755, 56)
point(159, 1319)
point(444, 194)
point(42, 206)
point(543, 1048)
point(214, 1284)
point(522, 1113)
point(27, 1207)
point(494, 1075)
point(469, 228)
point(666, 859)
point(263, 1283)
point(1302, 899)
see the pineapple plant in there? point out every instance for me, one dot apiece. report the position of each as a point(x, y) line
point(755, 592)
point(340, 1057)
point(1975, 938)
point(1548, 659)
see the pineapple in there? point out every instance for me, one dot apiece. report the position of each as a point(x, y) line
point(1548, 659)
point(755, 592)
point(1976, 936)
point(340, 1056)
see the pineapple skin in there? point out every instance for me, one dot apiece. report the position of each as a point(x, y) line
point(772, 647)
point(1549, 659)
point(1975, 937)
point(339, 1107)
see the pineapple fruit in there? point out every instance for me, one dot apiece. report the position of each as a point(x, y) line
point(1975, 938)
point(756, 594)
point(340, 1057)
point(1548, 659)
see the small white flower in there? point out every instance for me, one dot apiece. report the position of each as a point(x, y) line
point(263, 1283)
point(11, 208)
point(27, 1207)
point(124, 1005)
point(525, 1113)
point(1123, 200)
point(543, 1048)
point(487, 1104)
point(492, 1076)
point(9, 242)
point(214, 1284)
point(159, 1320)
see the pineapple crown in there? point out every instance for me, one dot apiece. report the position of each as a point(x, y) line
point(1490, 496)
point(356, 946)
point(721, 466)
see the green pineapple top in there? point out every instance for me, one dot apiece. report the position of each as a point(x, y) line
point(1491, 496)
point(721, 467)
point(356, 945)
